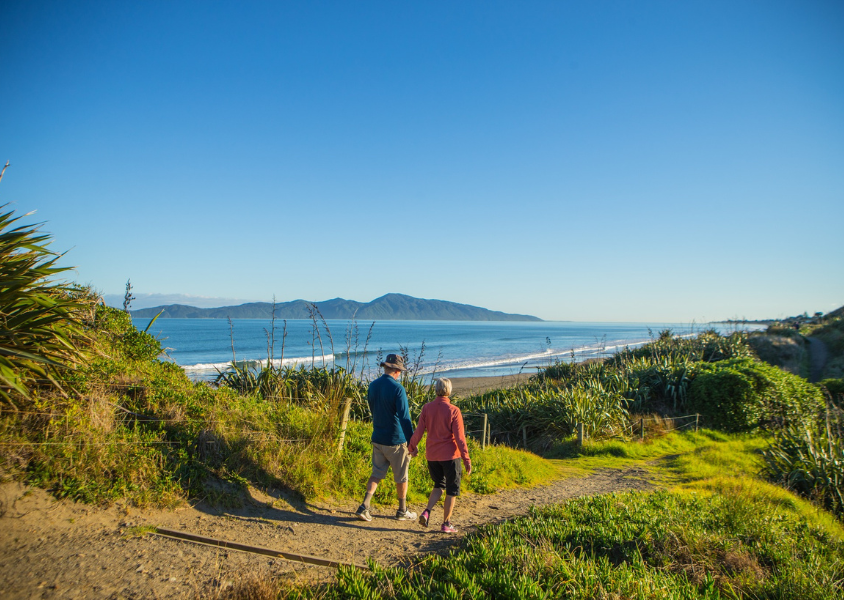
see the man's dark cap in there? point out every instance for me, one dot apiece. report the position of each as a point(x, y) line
point(394, 361)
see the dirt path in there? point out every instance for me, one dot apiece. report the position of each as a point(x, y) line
point(52, 549)
point(817, 359)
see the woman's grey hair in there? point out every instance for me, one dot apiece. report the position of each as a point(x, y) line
point(443, 387)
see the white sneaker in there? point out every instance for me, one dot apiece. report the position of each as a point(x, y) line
point(405, 515)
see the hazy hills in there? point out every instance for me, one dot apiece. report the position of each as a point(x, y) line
point(388, 307)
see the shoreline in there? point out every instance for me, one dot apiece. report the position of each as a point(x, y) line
point(463, 387)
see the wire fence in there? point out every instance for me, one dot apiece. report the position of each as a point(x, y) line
point(484, 432)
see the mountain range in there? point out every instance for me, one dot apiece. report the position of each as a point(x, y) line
point(385, 308)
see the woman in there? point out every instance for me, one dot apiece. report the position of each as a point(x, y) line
point(444, 451)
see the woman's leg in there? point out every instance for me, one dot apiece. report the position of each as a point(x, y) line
point(448, 507)
point(453, 470)
point(435, 496)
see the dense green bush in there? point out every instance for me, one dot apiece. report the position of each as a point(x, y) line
point(653, 378)
point(742, 394)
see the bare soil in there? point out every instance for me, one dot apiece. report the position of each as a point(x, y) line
point(61, 549)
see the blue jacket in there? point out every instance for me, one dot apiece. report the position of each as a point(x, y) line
point(391, 423)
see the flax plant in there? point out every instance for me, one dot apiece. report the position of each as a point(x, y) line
point(42, 327)
point(810, 461)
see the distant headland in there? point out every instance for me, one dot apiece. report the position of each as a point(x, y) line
point(395, 307)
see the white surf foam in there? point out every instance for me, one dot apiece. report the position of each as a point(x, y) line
point(537, 358)
point(260, 363)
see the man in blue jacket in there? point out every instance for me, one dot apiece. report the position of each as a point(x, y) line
point(391, 430)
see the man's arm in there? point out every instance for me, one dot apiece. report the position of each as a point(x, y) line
point(403, 413)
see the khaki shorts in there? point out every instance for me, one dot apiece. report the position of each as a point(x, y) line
point(384, 457)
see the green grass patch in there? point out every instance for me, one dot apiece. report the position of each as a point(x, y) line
point(618, 454)
point(634, 545)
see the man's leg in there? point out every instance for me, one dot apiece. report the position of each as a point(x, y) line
point(379, 469)
point(400, 463)
point(371, 486)
point(401, 494)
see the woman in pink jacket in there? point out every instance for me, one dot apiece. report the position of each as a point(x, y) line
point(444, 451)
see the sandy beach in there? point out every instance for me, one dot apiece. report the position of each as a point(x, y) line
point(468, 386)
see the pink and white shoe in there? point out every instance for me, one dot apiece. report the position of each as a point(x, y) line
point(448, 528)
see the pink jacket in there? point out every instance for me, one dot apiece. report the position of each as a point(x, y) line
point(444, 424)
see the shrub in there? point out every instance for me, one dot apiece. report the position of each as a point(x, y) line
point(547, 415)
point(655, 377)
point(743, 394)
point(810, 461)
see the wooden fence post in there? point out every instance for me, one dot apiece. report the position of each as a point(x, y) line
point(580, 434)
point(642, 428)
point(524, 435)
point(697, 418)
point(488, 434)
point(343, 423)
point(483, 435)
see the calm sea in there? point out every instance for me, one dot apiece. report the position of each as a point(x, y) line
point(455, 348)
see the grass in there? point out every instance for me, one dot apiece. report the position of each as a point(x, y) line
point(614, 454)
point(632, 545)
point(708, 536)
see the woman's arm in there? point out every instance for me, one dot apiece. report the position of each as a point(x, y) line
point(460, 438)
point(417, 435)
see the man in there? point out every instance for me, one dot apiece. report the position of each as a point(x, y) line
point(391, 430)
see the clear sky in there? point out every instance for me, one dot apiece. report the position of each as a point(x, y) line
point(618, 161)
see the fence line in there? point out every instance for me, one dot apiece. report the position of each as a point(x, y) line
point(136, 443)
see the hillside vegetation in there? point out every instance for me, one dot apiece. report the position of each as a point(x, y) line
point(135, 428)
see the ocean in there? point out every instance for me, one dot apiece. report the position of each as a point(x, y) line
point(450, 348)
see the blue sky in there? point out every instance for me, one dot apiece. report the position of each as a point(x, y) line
point(662, 161)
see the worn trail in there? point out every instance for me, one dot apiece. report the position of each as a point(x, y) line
point(817, 359)
point(62, 549)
